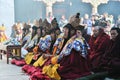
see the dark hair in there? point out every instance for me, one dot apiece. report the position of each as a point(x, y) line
point(41, 28)
point(70, 28)
point(51, 31)
point(102, 23)
point(80, 27)
point(57, 28)
point(117, 29)
point(34, 28)
point(77, 15)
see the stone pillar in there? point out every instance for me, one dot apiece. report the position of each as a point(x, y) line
point(49, 8)
point(94, 9)
point(95, 4)
point(49, 4)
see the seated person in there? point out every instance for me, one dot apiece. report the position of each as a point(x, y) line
point(71, 63)
point(110, 61)
point(25, 34)
point(57, 48)
point(98, 44)
point(43, 47)
point(67, 67)
point(30, 44)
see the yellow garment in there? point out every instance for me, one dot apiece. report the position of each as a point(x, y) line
point(54, 60)
point(2, 28)
point(3, 38)
point(46, 68)
point(51, 71)
point(39, 62)
point(2, 34)
point(29, 57)
point(55, 74)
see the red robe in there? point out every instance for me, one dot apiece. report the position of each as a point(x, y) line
point(97, 49)
point(73, 66)
point(111, 58)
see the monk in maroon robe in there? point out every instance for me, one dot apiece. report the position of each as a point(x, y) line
point(98, 44)
point(110, 61)
point(111, 58)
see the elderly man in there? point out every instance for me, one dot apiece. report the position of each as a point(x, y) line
point(110, 61)
point(98, 43)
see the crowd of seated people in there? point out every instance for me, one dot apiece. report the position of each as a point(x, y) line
point(82, 50)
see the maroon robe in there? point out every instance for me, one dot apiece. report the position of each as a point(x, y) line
point(111, 59)
point(73, 66)
point(97, 49)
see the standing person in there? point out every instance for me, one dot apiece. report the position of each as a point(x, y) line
point(13, 31)
point(118, 22)
point(50, 17)
point(105, 17)
point(3, 37)
point(98, 44)
point(63, 21)
point(88, 24)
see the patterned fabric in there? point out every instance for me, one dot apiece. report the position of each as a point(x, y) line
point(81, 45)
point(45, 43)
point(59, 43)
point(27, 37)
point(12, 41)
point(30, 43)
point(33, 42)
point(71, 64)
point(77, 44)
point(98, 46)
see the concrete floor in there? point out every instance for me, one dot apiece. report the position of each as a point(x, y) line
point(11, 72)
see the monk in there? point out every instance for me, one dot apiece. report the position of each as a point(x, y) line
point(98, 44)
point(110, 61)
